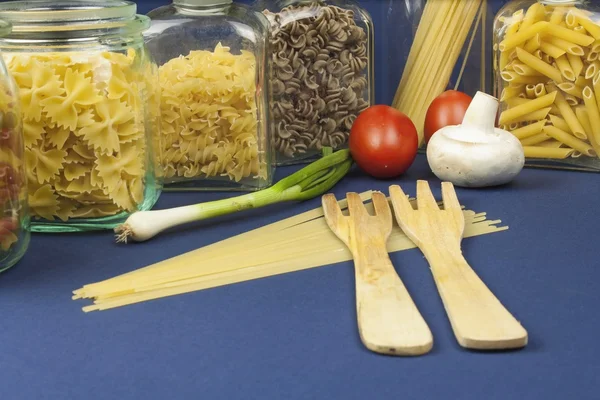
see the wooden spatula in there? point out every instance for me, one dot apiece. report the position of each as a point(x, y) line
point(388, 320)
point(478, 319)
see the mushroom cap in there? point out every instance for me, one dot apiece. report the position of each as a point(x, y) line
point(468, 157)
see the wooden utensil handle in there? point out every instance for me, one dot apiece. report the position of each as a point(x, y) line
point(478, 319)
point(388, 320)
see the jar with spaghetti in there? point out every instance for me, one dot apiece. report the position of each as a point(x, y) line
point(14, 217)
point(212, 72)
point(321, 76)
point(449, 48)
point(89, 108)
point(547, 76)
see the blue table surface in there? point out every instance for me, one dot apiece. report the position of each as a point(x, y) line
point(294, 336)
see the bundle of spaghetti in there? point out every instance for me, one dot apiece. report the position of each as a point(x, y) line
point(438, 43)
point(293, 244)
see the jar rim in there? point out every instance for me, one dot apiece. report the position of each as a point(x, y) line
point(71, 15)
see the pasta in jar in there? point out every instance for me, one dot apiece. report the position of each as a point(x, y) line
point(84, 133)
point(214, 107)
point(209, 116)
point(89, 111)
point(320, 76)
point(548, 79)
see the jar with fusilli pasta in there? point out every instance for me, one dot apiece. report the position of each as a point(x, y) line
point(89, 104)
point(14, 214)
point(212, 70)
point(321, 76)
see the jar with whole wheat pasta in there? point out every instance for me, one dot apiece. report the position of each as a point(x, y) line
point(321, 75)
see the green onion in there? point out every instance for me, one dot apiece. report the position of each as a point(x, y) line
point(311, 181)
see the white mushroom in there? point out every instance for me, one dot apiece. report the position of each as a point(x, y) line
point(475, 154)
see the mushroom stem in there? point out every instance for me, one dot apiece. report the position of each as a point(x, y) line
point(481, 113)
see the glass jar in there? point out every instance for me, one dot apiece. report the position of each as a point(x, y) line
point(212, 72)
point(431, 46)
point(547, 77)
point(14, 215)
point(321, 76)
point(86, 85)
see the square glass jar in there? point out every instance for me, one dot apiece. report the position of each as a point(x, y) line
point(547, 77)
point(321, 76)
point(212, 57)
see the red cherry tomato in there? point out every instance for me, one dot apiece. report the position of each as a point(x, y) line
point(383, 141)
point(448, 108)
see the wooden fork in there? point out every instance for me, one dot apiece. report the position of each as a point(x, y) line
point(478, 319)
point(388, 320)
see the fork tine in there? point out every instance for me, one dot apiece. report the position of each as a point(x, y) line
point(381, 205)
point(356, 206)
point(449, 197)
point(400, 202)
point(331, 208)
point(425, 198)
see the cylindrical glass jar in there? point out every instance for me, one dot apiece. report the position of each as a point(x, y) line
point(321, 76)
point(14, 214)
point(547, 76)
point(88, 101)
point(212, 72)
point(432, 46)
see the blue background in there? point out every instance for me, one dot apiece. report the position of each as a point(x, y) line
point(294, 336)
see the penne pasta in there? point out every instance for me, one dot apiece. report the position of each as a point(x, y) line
point(529, 130)
point(540, 90)
point(568, 35)
point(568, 114)
point(591, 56)
point(535, 139)
point(535, 13)
point(545, 152)
point(538, 65)
point(565, 68)
point(525, 70)
point(513, 77)
point(576, 64)
point(531, 106)
point(569, 140)
point(584, 120)
point(511, 91)
point(523, 35)
point(563, 45)
point(591, 105)
point(558, 15)
point(530, 91)
point(571, 89)
point(582, 82)
point(551, 50)
point(551, 144)
point(534, 116)
point(591, 27)
point(533, 44)
point(516, 101)
point(559, 123)
point(571, 100)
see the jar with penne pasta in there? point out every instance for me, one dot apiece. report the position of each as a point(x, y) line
point(547, 76)
point(89, 106)
point(212, 57)
point(14, 213)
point(321, 76)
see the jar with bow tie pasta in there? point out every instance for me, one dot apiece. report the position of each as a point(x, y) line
point(214, 104)
point(90, 109)
point(322, 73)
point(14, 213)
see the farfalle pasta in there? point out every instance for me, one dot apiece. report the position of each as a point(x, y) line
point(84, 132)
point(209, 116)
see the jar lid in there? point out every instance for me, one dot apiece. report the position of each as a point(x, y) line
point(31, 16)
point(201, 3)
